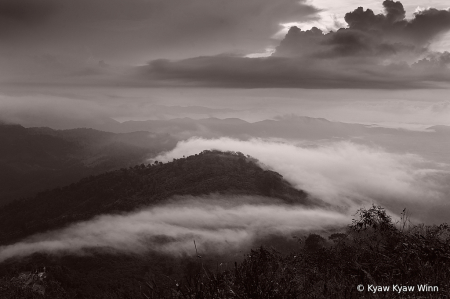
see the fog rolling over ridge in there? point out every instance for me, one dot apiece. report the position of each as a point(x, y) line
point(344, 174)
point(218, 224)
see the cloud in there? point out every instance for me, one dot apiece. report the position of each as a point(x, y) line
point(282, 72)
point(375, 51)
point(370, 34)
point(58, 112)
point(217, 224)
point(428, 24)
point(434, 61)
point(344, 174)
point(27, 12)
point(122, 32)
point(206, 47)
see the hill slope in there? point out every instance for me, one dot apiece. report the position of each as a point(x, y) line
point(112, 275)
point(128, 189)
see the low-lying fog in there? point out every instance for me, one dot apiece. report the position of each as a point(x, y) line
point(344, 174)
point(218, 224)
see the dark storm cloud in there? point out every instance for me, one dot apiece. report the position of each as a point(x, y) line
point(344, 42)
point(78, 34)
point(133, 30)
point(394, 11)
point(279, 72)
point(71, 42)
point(27, 11)
point(424, 26)
point(370, 34)
point(429, 23)
point(375, 51)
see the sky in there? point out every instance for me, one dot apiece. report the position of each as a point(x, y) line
point(346, 60)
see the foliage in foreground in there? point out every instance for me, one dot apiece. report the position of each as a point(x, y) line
point(373, 251)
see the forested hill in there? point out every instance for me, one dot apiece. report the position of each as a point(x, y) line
point(142, 185)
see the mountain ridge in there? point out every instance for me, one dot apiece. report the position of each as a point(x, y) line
point(125, 190)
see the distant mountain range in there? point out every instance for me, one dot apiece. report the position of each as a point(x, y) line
point(35, 159)
point(282, 127)
point(234, 127)
point(434, 143)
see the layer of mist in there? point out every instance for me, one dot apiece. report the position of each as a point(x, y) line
point(345, 174)
point(218, 224)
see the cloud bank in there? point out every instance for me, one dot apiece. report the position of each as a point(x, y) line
point(384, 51)
point(207, 44)
point(60, 41)
point(344, 174)
point(217, 224)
